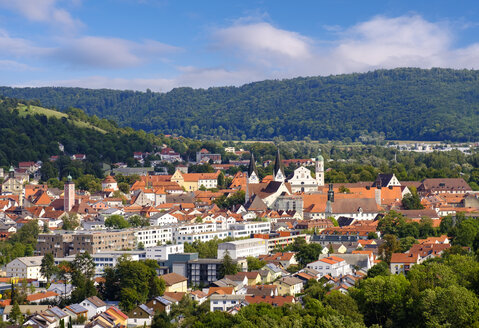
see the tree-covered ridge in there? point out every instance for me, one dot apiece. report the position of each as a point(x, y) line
point(405, 103)
point(34, 137)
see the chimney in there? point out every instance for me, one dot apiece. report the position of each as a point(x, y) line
point(377, 195)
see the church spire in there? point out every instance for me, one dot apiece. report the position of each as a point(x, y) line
point(253, 176)
point(278, 168)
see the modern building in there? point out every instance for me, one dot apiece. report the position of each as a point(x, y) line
point(161, 253)
point(243, 248)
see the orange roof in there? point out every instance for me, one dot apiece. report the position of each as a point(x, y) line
point(116, 312)
point(220, 290)
point(403, 258)
point(39, 296)
point(175, 295)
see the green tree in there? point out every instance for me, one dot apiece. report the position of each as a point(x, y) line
point(70, 222)
point(411, 201)
point(228, 266)
point(16, 316)
point(254, 263)
point(383, 299)
point(138, 221)
point(124, 187)
point(380, 269)
point(452, 306)
point(48, 268)
point(116, 222)
point(389, 246)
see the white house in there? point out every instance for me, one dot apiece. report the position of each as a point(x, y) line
point(94, 305)
point(26, 268)
point(332, 265)
point(162, 219)
point(225, 302)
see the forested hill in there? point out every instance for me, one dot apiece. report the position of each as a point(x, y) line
point(31, 133)
point(406, 103)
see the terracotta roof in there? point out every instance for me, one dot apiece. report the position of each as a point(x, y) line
point(177, 296)
point(404, 258)
point(173, 278)
point(220, 290)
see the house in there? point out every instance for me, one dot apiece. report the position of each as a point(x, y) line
point(61, 289)
point(94, 305)
point(282, 259)
point(253, 278)
point(41, 320)
point(275, 271)
point(331, 265)
point(140, 316)
point(24, 309)
point(199, 296)
point(402, 263)
point(159, 304)
point(266, 276)
point(289, 285)
point(76, 311)
point(175, 282)
point(119, 317)
point(262, 290)
point(225, 302)
point(26, 268)
point(42, 296)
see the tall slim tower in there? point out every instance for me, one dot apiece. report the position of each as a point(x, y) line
point(252, 171)
point(320, 170)
point(69, 195)
point(278, 173)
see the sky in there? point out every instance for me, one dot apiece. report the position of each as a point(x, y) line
point(163, 44)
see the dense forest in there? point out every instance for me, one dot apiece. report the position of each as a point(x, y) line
point(405, 103)
point(37, 137)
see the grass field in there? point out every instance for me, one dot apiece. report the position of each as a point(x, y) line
point(24, 110)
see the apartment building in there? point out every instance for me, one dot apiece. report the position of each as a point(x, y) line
point(161, 253)
point(65, 244)
point(243, 248)
point(153, 236)
point(201, 236)
point(246, 229)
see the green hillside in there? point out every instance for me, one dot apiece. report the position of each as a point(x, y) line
point(399, 104)
point(25, 110)
point(30, 133)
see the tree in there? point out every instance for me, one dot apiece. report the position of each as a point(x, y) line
point(453, 306)
point(389, 246)
point(48, 171)
point(116, 222)
point(138, 221)
point(48, 268)
point(254, 263)
point(64, 271)
point(124, 187)
point(306, 253)
point(411, 201)
point(228, 267)
point(16, 316)
point(380, 269)
point(70, 222)
point(344, 304)
point(382, 299)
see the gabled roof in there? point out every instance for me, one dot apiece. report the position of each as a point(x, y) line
point(96, 301)
point(173, 278)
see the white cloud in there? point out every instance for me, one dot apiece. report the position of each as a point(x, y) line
point(43, 11)
point(264, 40)
point(100, 52)
point(19, 47)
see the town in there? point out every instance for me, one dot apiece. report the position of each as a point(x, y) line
point(150, 242)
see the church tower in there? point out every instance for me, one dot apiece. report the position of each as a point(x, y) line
point(69, 195)
point(252, 171)
point(320, 170)
point(278, 173)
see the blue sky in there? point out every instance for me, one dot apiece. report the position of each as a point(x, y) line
point(162, 44)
